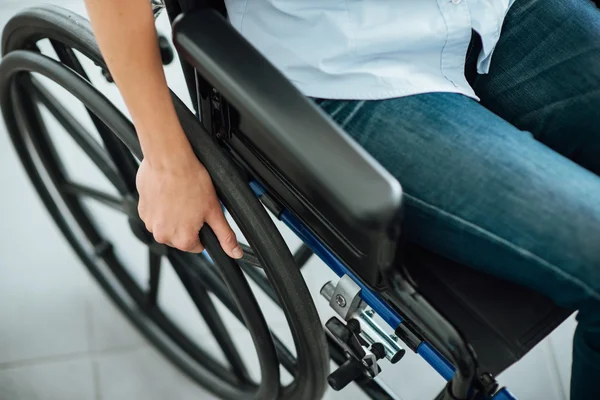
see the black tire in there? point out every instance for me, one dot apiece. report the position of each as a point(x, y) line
point(19, 94)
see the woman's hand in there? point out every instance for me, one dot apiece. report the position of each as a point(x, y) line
point(177, 198)
point(176, 194)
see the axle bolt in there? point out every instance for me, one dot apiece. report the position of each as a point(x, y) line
point(340, 300)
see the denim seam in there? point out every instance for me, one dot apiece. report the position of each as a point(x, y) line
point(352, 113)
point(501, 241)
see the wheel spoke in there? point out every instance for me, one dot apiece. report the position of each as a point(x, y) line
point(182, 340)
point(79, 134)
point(122, 158)
point(302, 255)
point(204, 271)
point(30, 119)
point(259, 277)
point(249, 257)
point(154, 267)
point(77, 189)
point(207, 309)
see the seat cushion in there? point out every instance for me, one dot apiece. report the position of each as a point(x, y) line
point(501, 320)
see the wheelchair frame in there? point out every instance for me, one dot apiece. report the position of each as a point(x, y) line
point(412, 318)
point(194, 62)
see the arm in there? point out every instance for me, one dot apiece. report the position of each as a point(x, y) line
point(176, 194)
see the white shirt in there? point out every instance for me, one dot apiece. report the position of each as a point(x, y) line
point(371, 49)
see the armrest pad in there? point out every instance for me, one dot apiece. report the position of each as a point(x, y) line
point(322, 162)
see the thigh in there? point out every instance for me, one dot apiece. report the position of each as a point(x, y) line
point(545, 77)
point(484, 193)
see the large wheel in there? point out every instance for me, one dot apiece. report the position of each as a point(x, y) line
point(26, 102)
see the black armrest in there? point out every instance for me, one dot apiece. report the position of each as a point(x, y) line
point(285, 123)
point(325, 167)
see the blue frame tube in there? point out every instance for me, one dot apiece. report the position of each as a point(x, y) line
point(370, 297)
point(387, 313)
point(436, 360)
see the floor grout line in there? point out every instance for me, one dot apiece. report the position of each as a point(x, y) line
point(89, 325)
point(96, 380)
point(71, 356)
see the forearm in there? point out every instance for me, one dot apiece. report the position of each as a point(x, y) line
point(128, 40)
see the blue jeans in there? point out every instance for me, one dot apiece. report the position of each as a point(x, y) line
point(509, 185)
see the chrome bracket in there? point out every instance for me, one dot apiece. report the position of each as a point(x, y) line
point(344, 298)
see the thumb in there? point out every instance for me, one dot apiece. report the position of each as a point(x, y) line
point(225, 234)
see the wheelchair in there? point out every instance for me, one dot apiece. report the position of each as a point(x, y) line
point(269, 150)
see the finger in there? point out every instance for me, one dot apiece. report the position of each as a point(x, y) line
point(225, 234)
point(160, 236)
point(188, 242)
point(141, 208)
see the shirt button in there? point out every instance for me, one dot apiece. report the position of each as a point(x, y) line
point(456, 1)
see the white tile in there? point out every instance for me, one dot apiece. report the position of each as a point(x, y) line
point(109, 328)
point(41, 323)
point(354, 392)
point(32, 249)
point(42, 283)
point(561, 345)
point(144, 374)
point(534, 376)
point(64, 380)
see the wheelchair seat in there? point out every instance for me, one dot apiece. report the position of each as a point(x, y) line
point(346, 199)
point(500, 319)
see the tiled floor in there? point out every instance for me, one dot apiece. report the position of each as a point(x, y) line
point(61, 339)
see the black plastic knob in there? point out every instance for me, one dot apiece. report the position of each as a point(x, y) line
point(346, 373)
point(378, 350)
point(354, 326)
